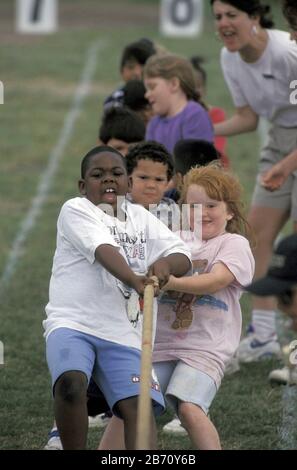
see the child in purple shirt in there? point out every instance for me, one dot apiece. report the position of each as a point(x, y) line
point(171, 91)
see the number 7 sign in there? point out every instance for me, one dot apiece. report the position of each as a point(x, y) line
point(36, 16)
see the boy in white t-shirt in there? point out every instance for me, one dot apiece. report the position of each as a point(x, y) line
point(106, 249)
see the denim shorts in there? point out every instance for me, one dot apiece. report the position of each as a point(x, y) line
point(114, 367)
point(181, 382)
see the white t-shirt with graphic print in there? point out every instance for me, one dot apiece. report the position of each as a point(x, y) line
point(83, 295)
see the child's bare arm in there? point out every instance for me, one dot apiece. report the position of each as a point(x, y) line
point(110, 258)
point(218, 278)
point(176, 263)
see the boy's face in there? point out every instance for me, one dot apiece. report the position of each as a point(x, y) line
point(105, 179)
point(132, 70)
point(149, 182)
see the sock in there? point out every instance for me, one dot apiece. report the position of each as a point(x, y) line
point(54, 432)
point(264, 323)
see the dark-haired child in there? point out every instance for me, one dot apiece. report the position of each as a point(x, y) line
point(133, 59)
point(187, 154)
point(134, 98)
point(106, 249)
point(150, 166)
point(121, 127)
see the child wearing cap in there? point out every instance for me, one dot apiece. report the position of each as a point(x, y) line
point(280, 281)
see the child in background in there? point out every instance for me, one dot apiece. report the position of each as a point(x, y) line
point(121, 127)
point(134, 99)
point(171, 91)
point(280, 281)
point(187, 154)
point(216, 114)
point(102, 242)
point(150, 167)
point(133, 58)
point(198, 333)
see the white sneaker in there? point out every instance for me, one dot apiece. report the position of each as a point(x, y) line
point(286, 375)
point(54, 441)
point(175, 427)
point(99, 421)
point(253, 349)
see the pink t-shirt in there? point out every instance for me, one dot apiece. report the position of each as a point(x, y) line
point(206, 334)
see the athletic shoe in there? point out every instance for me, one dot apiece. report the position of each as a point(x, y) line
point(175, 427)
point(54, 441)
point(252, 349)
point(285, 376)
point(250, 330)
point(232, 366)
point(99, 421)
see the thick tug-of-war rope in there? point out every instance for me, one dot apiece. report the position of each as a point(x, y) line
point(144, 403)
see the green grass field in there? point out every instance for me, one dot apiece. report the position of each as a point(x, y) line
point(40, 76)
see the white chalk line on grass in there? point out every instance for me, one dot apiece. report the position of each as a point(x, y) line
point(55, 156)
point(287, 431)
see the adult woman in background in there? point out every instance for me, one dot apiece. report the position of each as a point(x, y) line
point(278, 174)
point(259, 64)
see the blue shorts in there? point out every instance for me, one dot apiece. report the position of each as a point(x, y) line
point(114, 367)
point(181, 382)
